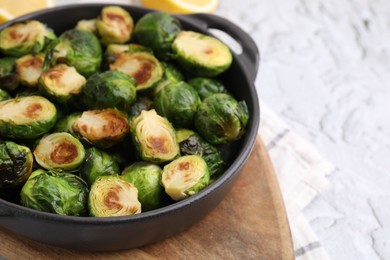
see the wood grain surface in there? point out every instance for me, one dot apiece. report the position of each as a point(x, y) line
point(250, 223)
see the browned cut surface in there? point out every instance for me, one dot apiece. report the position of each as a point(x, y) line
point(33, 110)
point(64, 153)
point(250, 223)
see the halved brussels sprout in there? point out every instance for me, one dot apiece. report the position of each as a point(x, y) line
point(59, 151)
point(171, 74)
point(113, 51)
point(76, 48)
point(4, 95)
point(201, 55)
point(62, 83)
point(16, 163)
point(141, 103)
point(154, 137)
point(177, 102)
point(146, 177)
point(97, 163)
point(112, 196)
point(87, 25)
point(142, 66)
point(113, 89)
point(28, 37)
point(66, 123)
point(207, 86)
point(157, 30)
point(26, 117)
point(102, 128)
point(114, 25)
point(56, 192)
point(8, 78)
point(221, 119)
point(29, 68)
point(192, 144)
point(185, 177)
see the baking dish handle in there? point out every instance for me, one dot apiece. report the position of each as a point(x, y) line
point(250, 55)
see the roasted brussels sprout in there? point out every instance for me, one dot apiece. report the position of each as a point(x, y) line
point(146, 177)
point(114, 25)
point(157, 30)
point(56, 192)
point(16, 163)
point(185, 176)
point(87, 25)
point(4, 95)
point(177, 102)
point(66, 123)
point(113, 51)
point(62, 83)
point(192, 144)
point(76, 48)
point(113, 89)
point(171, 74)
point(29, 69)
point(97, 163)
point(141, 103)
point(154, 137)
point(8, 78)
point(102, 128)
point(59, 151)
point(112, 196)
point(26, 117)
point(207, 86)
point(142, 66)
point(23, 38)
point(201, 55)
point(221, 119)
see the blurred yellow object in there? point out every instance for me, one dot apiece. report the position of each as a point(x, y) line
point(182, 6)
point(10, 9)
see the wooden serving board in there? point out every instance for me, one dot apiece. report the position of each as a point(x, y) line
point(250, 223)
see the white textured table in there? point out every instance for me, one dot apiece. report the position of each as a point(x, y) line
point(325, 70)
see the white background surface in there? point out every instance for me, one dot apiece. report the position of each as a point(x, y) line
point(325, 70)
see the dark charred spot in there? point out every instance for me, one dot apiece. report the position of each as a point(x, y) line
point(184, 166)
point(144, 73)
point(64, 153)
point(158, 144)
point(111, 200)
point(33, 110)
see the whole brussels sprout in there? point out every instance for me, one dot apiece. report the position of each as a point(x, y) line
point(142, 66)
point(157, 30)
point(192, 144)
point(62, 83)
point(171, 74)
point(207, 86)
point(87, 25)
point(114, 25)
point(8, 78)
point(112, 196)
point(29, 68)
point(76, 48)
point(185, 176)
point(201, 55)
point(221, 119)
point(154, 137)
point(97, 163)
point(16, 163)
point(146, 177)
point(56, 192)
point(28, 37)
point(177, 102)
point(102, 128)
point(4, 95)
point(113, 89)
point(26, 117)
point(141, 103)
point(59, 151)
point(66, 123)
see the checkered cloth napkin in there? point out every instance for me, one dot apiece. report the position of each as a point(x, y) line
point(301, 172)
